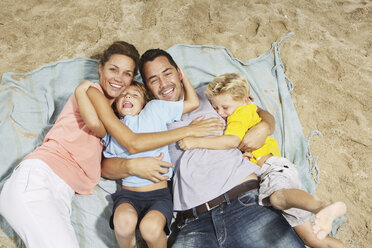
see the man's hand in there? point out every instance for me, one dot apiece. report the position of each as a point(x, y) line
point(150, 168)
point(201, 128)
point(255, 137)
point(187, 143)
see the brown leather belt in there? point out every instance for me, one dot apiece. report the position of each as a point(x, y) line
point(231, 194)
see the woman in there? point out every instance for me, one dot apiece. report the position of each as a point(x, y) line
point(36, 199)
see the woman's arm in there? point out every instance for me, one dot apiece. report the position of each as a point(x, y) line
point(215, 143)
point(256, 135)
point(87, 111)
point(139, 142)
point(191, 101)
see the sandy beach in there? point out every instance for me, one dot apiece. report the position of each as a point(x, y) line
point(328, 60)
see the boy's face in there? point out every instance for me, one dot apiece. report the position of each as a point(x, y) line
point(225, 105)
point(130, 102)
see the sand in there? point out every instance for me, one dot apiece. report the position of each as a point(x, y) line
point(328, 60)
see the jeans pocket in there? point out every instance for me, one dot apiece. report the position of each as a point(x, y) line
point(249, 198)
point(182, 224)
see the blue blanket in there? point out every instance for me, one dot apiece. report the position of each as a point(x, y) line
point(31, 102)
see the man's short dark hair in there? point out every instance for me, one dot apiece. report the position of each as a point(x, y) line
point(150, 55)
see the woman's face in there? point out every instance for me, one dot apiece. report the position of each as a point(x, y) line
point(116, 75)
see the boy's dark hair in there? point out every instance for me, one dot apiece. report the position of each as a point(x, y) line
point(141, 87)
point(123, 48)
point(150, 55)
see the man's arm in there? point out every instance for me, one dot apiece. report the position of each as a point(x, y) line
point(191, 101)
point(148, 167)
point(256, 135)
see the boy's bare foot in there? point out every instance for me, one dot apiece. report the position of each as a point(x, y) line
point(325, 217)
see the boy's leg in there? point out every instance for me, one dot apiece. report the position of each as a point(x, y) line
point(154, 226)
point(125, 222)
point(152, 229)
point(306, 233)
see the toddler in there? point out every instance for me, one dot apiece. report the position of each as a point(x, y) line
point(280, 185)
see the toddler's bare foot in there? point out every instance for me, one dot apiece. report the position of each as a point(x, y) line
point(325, 217)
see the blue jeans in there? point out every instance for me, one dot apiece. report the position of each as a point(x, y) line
point(238, 223)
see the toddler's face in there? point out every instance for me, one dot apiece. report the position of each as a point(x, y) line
point(225, 105)
point(130, 102)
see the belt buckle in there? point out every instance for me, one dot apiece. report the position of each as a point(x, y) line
point(210, 208)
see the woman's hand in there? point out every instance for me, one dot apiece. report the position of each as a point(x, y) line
point(201, 128)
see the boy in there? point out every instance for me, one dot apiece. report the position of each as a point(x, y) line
point(140, 200)
point(280, 185)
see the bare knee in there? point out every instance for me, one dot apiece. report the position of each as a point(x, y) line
point(125, 224)
point(151, 231)
point(278, 200)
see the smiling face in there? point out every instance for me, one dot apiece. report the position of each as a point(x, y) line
point(116, 74)
point(163, 79)
point(130, 102)
point(225, 105)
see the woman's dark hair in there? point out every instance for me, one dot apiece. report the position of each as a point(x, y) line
point(150, 55)
point(121, 47)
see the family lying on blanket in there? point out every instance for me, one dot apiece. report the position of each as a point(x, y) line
point(263, 205)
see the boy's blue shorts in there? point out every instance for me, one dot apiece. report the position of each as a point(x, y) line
point(143, 202)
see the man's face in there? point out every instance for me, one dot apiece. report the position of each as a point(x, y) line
point(163, 79)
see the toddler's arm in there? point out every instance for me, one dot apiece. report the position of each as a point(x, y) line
point(86, 109)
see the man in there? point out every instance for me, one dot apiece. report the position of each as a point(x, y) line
point(226, 214)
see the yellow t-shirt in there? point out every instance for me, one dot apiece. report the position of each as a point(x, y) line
point(243, 118)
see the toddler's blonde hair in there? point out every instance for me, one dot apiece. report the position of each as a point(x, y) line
point(233, 84)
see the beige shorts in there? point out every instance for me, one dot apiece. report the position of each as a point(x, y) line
point(279, 173)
